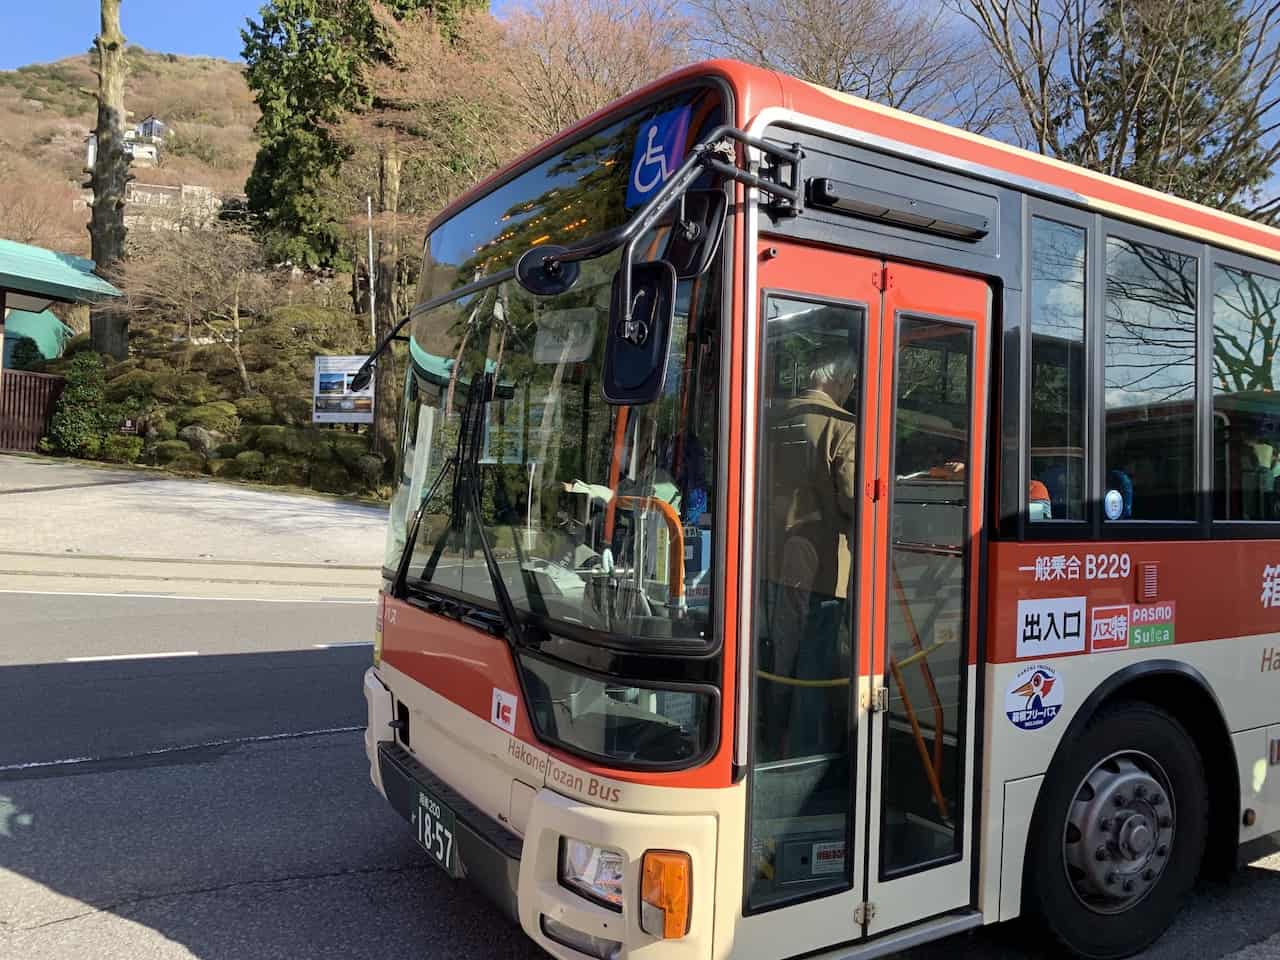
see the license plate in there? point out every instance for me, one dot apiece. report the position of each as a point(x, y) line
point(433, 824)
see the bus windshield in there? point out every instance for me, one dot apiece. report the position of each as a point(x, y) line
point(599, 517)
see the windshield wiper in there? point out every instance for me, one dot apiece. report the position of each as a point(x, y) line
point(399, 584)
point(466, 502)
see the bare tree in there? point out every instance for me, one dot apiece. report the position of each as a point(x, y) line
point(1179, 95)
point(209, 283)
point(441, 117)
point(568, 58)
point(39, 208)
point(109, 330)
point(892, 51)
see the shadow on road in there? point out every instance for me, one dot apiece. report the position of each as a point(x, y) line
point(241, 850)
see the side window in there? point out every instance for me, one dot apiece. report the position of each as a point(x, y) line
point(1149, 384)
point(809, 446)
point(1057, 411)
point(1246, 406)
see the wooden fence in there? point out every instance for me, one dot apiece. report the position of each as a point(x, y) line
point(27, 401)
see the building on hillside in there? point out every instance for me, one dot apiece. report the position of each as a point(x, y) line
point(143, 143)
point(154, 206)
point(152, 129)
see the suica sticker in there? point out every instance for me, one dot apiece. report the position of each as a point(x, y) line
point(1034, 698)
point(503, 710)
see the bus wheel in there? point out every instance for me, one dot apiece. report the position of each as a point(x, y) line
point(1119, 832)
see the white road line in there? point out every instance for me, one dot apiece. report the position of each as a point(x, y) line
point(174, 596)
point(134, 656)
point(348, 643)
point(69, 761)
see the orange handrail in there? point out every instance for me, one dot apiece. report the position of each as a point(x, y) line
point(675, 551)
point(930, 771)
point(925, 671)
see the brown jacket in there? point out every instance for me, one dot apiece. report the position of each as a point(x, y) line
point(813, 493)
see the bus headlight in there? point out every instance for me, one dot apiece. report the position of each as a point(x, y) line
point(594, 872)
point(666, 886)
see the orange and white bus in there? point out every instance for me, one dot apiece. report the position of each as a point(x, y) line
point(820, 530)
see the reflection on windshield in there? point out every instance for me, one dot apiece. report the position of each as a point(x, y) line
point(578, 193)
point(598, 516)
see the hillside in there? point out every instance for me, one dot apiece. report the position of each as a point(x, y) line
point(45, 117)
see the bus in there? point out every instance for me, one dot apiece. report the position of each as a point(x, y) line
point(819, 530)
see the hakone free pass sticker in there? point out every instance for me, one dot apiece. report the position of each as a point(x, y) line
point(1034, 697)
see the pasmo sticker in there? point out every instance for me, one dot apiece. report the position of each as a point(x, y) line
point(1034, 698)
point(502, 712)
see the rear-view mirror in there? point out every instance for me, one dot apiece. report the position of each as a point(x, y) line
point(635, 356)
point(696, 229)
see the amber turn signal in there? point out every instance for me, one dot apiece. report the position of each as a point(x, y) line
point(666, 892)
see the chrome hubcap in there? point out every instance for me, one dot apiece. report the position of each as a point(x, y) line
point(1119, 832)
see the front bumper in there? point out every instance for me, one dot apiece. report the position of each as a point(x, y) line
point(488, 855)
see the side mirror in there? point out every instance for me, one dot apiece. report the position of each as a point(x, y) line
point(635, 355)
point(696, 230)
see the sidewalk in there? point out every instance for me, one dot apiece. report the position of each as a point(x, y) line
point(73, 527)
point(55, 506)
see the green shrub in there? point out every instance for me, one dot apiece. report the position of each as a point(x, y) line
point(121, 448)
point(189, 388)
point(207, 359)
point(166, 451)
point(80, 343)
point(166, 430)
point(370, 469)
point(218, 416)
point(80, 420)
point(219, 468)
point(255, 409)
point(350, 447)
point(306, 442)
point(229, 451)
point(285, 470)
point(120, 368)
point(26, 355)
point(269, 439)
point(249, 464)
point(330, 478)
point(293, 410)
point(132, 385)
point(188, 463)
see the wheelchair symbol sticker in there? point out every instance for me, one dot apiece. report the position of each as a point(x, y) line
point(658, 153)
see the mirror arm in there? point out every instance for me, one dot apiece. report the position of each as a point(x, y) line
point(365, 371)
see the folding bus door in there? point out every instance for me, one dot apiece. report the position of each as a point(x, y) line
point(931, 423)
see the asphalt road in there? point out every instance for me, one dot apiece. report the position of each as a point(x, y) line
point(194, 806)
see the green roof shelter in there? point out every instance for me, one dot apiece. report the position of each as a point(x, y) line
point(47, 332)
point(32, 278)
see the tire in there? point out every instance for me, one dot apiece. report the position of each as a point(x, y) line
point(1091, 889)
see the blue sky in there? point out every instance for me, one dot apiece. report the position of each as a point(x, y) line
point(37, 31)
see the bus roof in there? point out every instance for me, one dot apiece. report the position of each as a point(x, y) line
point(757, 90)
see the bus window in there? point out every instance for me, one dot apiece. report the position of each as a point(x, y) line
point(1246, 410)
point(927, 587)
point(1150, 381)
point(808, 485)
point(1057, 408)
